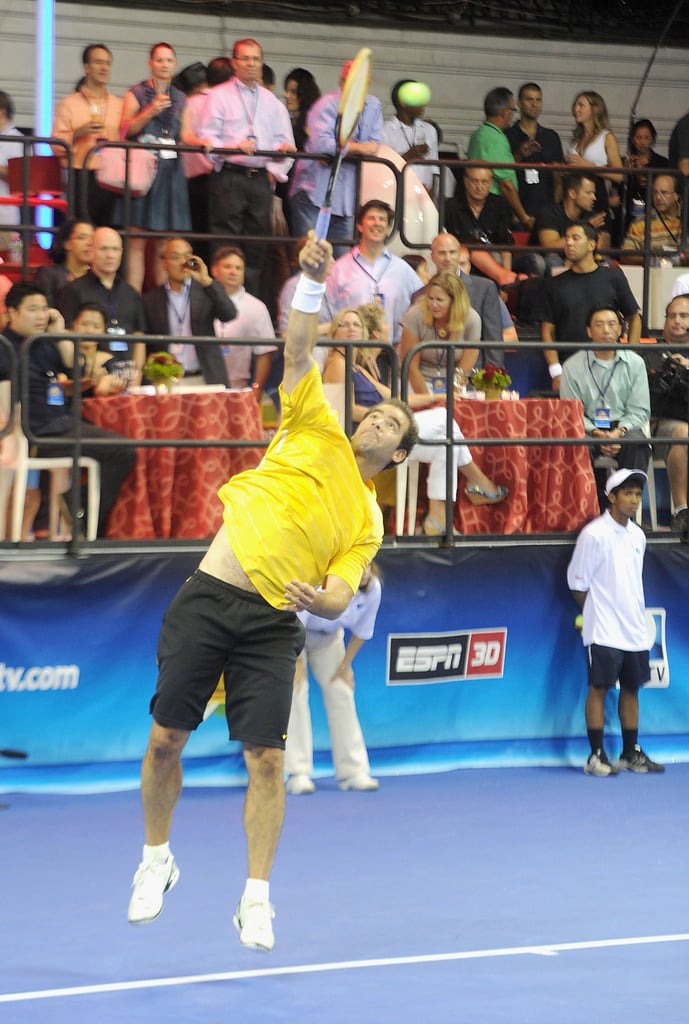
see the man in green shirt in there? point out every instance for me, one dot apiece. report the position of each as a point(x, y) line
point(490, 143)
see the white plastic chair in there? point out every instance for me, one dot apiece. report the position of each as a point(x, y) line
point(407, 496)
point(15, 464)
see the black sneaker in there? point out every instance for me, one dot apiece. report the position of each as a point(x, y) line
point(638, 762)
point(680, 525)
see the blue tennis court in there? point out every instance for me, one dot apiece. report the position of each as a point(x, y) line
point(520, 895)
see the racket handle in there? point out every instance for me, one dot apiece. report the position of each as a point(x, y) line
point(323, 223)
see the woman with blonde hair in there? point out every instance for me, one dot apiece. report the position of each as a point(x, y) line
point(154, 110)
point(442, 314)
point(594, 145)
point(369, 323)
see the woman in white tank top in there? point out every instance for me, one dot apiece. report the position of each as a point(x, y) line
point(594, 145)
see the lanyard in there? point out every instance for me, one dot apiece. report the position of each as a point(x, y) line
point(376, 280)
point(604, 385)
point(172, 301)
point(250, 116)
point(111, 299)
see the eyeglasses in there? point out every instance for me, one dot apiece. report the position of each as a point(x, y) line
point(660, 192)
point(249, 60)
point(176, 257)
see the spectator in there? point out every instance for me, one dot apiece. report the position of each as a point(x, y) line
point(678, 147)
point(568, 298)
point(605, 577)
point(490, 143)
point(442, 314)
point(154, 111)
point(413, 138)
point(219, 70)
point(104, 285)
point(331, 663)
point(71, 253)
point(578, 203)
point(665, 228)
point(8, 150)
point(670, 407)
point(252, 321)
point(241, 114)
point(197, 167)
point(532, 143)
point(50, 415)
point(83, 118)
point(430, 413)
point(268, 78)
point(311, 177)
point(481, 220)
point(612, 386)
point(448, 254)
point(640, 153)
point(370, 272)
point(186, 306)
point(301, 92)
point(594, 145)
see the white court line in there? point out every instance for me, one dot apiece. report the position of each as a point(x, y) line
point(551, 949)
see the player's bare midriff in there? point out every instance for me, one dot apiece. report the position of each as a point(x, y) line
point(220, 561)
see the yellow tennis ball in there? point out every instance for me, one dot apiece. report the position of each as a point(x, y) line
point(414, 94)
point(579, 622)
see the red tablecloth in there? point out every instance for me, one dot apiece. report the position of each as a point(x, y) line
point(552, 487)
point(172, 492)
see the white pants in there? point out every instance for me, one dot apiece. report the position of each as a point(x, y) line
point(324, 653)
point(432, 427)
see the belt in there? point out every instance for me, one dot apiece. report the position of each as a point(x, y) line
point(248, 172)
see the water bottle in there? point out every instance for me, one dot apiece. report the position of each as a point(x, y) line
point(16, 248)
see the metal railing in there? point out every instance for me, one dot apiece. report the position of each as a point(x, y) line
point(19, 370)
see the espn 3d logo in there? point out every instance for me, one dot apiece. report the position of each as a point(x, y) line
point(445, 657)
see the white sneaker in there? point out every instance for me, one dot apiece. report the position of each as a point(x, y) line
point(598, 764)
point(151, 881)
point(300, 784)
point(253, 920)
point(362, 783)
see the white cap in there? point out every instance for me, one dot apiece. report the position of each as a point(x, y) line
point(617, 478)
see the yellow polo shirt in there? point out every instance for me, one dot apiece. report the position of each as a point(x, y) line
point(304, 512)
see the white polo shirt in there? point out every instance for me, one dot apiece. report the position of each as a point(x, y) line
point(607, 564)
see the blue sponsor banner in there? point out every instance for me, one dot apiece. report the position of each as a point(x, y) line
point(475, 659)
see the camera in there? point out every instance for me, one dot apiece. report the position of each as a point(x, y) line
point(192, 263)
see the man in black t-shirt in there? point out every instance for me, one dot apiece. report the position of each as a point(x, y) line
point(579, 199)
point(567, 300)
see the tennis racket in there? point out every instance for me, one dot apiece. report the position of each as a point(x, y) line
point(348, 113)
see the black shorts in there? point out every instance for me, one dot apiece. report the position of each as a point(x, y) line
point(211, 628)
point(607, 665)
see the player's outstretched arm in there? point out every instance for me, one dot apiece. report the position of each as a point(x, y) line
point(301, 334)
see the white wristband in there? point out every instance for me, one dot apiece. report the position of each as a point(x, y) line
point(308, 296)
point(555, 370)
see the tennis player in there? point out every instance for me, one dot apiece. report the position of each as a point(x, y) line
point(305, 517)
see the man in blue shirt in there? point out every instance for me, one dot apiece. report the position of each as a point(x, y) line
point(311, 177)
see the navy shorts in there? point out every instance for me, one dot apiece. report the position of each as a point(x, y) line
point(607, 665)
point(212, 628)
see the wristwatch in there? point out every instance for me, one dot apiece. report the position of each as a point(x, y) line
point(623, 430)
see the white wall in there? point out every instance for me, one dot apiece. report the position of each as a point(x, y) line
point(459, 68)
